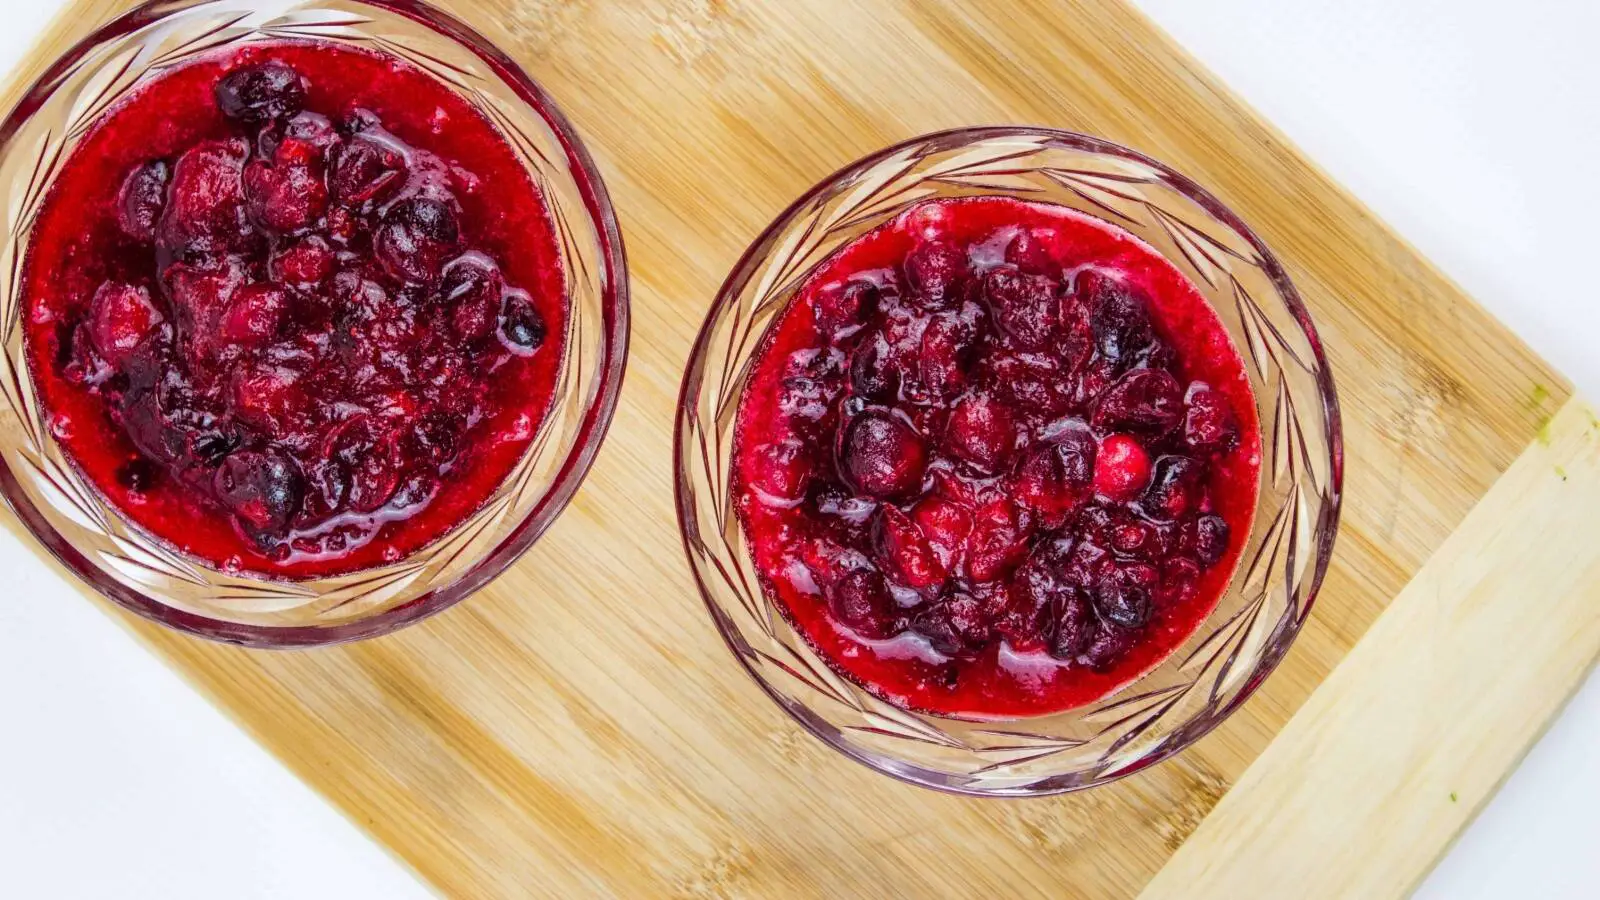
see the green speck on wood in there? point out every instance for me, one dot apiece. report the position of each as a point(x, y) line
point(1453, 796)
point(1538, 396)
point(1561, 473)
point(1543, 434)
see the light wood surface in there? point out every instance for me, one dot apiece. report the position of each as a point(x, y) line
point(579, 729)
point(1417, 726)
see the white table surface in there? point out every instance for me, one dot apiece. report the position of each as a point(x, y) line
point(1470, 126)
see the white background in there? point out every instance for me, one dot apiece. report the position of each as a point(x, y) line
point(1470, 125)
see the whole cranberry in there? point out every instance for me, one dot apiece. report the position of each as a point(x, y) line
point(1122, 595)
point(874, 370)
point(260, 487)
point(1147, 401)
point(269, 90)
point(841, 308)
point(364, 170)
point(881, 454)
point(141, 198)
point(1029, 252)
point(415, 239)
point(981, 431)
point(998, 540)
point(1206, 537)
point(905, 552)
point(860, 601)
point(946, 525)
point(1176, 484)
point(1209, 425)
point(471, 288)
point(522, 328)
point(781, 471)
point(946, 346)
point(255, 315)
point(205, 209)
point(1055, 475)
point(121, 317)
point(956, 625)
point(1121, 468)
point(934, 273)
point(1120, 319)
point(1024, 306)
point(1031, 381)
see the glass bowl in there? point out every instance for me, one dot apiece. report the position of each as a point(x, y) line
point(68, 515)
point(1286, 553)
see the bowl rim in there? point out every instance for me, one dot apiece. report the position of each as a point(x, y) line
point(592, 428)
point(1327, 526)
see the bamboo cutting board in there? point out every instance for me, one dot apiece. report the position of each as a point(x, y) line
point(578, 728)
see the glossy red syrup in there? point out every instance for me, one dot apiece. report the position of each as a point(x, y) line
point(997, 459)
point(294, 308)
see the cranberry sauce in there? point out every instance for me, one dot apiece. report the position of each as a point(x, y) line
point(997, 459)
point(294, 308)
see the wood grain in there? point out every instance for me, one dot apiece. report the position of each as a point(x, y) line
point(579, 729)
point(1416, 727)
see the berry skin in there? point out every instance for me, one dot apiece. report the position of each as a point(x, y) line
point(1122, 468)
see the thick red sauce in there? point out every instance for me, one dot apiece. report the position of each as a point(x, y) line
point(996, 459)
point(307, 363)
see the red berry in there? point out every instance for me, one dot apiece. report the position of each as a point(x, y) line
point(141, 199)
point(471, 289)
point(267, 397)
point(1175, 488)
point(1024, 306)
point(365, 170)
point(907, 556)
point(269, 90)
point(1105, 645)
point(957, 625)
point(304, 264)
point(946, 525)
point(982, 432)
point(1055, 475)
point(934, 272)
point(874, 371)
point(286, 198)
point(841, 308)
point(205, 209)
point(416, 237)
point(1209, 425)
point(1028, 252)
point(860, 601)
point(997, 542)
point(1122, 467)
point(121, 318)
point(881, 454)
point(1147, 401)
point(1120, 319)
point(1206, 538)
point(1180, 581)
point(255, 315)
point(781, 471)
point(261, 488)
point(946, 346)
point(1122, 595)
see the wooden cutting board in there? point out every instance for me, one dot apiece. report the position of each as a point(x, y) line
point(579, 729)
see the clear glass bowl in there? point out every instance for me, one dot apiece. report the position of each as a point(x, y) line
point(1297, 509)
point(66, 513)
